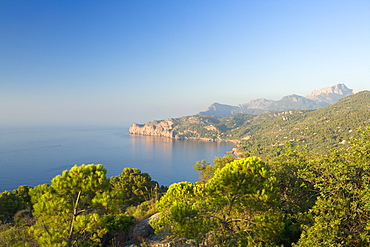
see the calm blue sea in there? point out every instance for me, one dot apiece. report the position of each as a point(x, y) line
point(33, 156)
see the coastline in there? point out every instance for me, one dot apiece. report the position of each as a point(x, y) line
point(166, 128)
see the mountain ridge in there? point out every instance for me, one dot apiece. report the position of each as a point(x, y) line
point(332, 125)
point(314, 100)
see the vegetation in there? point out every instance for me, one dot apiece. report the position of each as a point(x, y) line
point(77, 207)
point(261, 135)
point(134, 186)
point(331, 126)
point(296, 198)
point(294, 195)
point(237, 207)
point(81, 207)
point(206, 171)
point(323, 199)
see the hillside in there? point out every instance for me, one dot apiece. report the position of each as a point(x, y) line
point(328, 126)
point(318, 129)
point(316, 99)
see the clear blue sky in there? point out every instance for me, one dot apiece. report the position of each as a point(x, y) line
point(119, 62)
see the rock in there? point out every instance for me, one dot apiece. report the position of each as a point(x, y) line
point(154, 128)
point(143, 228)
point(155, 238)
point(330, 95)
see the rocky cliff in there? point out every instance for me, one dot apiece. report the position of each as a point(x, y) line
point(154, 128)
point(330, 95)
point(185, 128)
point(237, 127)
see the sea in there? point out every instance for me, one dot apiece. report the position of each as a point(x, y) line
point(33, 156)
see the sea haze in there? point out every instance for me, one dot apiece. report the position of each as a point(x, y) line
point(33, 156)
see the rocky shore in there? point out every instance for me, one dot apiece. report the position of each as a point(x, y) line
point(154, 128)
point(166, 128)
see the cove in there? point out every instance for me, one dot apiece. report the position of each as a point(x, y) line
point(33, 156)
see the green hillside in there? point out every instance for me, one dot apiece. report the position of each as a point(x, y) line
point(300, 197)
point(318, 129)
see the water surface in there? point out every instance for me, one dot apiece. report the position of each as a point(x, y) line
point(32, 156)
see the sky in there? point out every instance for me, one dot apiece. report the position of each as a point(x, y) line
point(122, 62)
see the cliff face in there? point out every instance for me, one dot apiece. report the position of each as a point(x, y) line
point(184, 128)
point(318, 128)
point(154, 128)
point(332, 94)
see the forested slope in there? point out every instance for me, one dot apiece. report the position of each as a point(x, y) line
point(314, 196)
point(329, 126)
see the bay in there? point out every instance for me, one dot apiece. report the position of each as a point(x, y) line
point(33, 156)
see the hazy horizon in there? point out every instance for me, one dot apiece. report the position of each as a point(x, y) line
point(118, 62)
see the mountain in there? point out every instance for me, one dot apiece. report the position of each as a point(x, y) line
point(293, 102)
point(261, 134)
point(316, 99)
point(221, 110)
point(260, 104)
point(330, 95)
point(318, 129)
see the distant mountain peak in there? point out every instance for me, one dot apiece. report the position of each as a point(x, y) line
point(316, 99)
point(260, 103)
point(340, 89)
point(293, 96)
point(220, 110)
point(330, 95)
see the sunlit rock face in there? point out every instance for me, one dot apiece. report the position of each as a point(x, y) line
point(154, 128)
point(330, 95)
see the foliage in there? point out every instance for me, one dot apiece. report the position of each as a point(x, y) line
point(37, 192)
point(261, 135)
point(236, 207)
point(296, 197)
point(14, 236)
point(16, 233)
point(116, 222)
point(296, 194)
point(72, 209)
point(179, 208)
point(341, 214)
point(143, 210)
point(134, 186)
point(206, 171)
point(10, 203)
point(23, 193)
point(331, 126)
